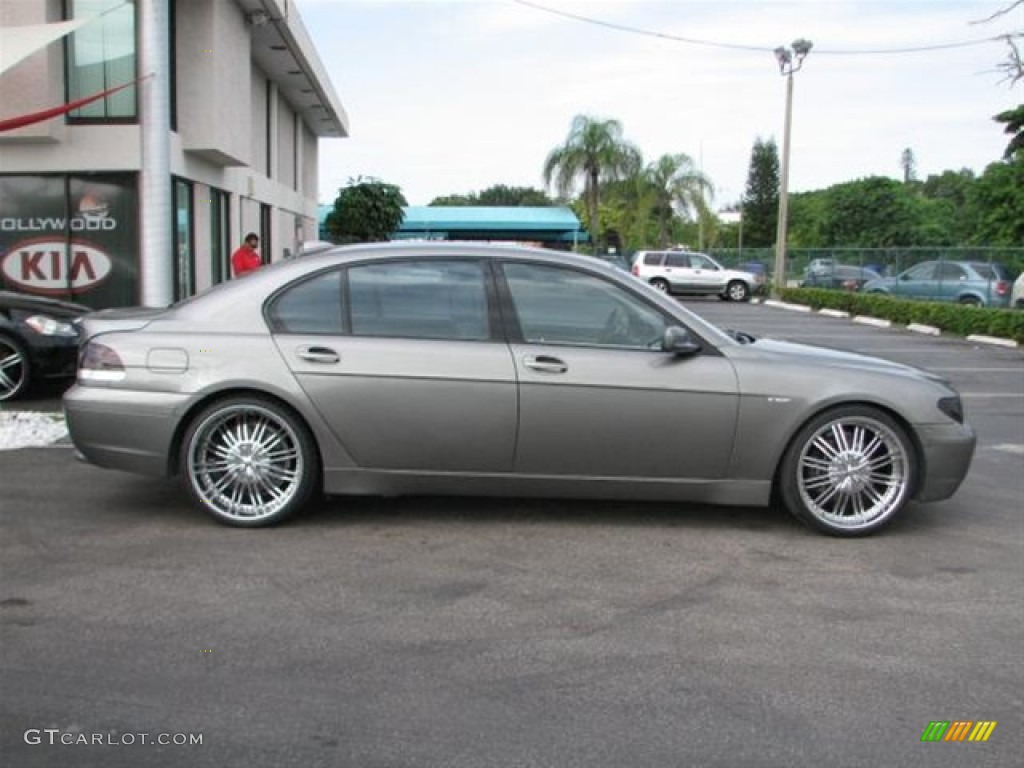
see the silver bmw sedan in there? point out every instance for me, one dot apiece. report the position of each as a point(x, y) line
point(444, 368)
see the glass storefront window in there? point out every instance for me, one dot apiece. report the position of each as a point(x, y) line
point(184, 254)
point(101, 55)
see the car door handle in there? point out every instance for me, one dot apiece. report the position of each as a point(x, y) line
point(545, 364)
point(318, 354)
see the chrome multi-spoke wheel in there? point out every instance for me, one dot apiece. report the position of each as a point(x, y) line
point(13, 369)
point(248, 461)
point(849, 471)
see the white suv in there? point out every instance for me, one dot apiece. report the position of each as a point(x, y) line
point(694, 273)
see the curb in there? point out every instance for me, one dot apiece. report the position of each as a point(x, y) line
point(875, 321)
point(878, 322)
point(1008, 343)
point(783, 305)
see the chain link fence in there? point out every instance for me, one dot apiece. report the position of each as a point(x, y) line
point(887, 262)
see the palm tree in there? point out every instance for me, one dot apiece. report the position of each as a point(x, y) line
point(595, 151)
point(679, 185)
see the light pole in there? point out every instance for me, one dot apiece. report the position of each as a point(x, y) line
point(790, 60)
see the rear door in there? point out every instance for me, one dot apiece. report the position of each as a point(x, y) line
point(401, 360)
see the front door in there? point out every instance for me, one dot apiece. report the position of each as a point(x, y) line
point(597, 396)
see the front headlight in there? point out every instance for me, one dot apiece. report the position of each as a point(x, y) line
point(45, 325)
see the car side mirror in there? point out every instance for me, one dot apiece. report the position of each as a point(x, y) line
point(678, 341)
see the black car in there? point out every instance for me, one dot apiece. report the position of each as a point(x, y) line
point(846, 277)
point(37, 341)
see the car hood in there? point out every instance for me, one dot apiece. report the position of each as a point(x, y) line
point(836, 358)
point(58, 309)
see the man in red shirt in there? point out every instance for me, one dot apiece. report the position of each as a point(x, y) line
point(246, 259)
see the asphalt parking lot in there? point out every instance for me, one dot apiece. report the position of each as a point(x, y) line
point(472, 632)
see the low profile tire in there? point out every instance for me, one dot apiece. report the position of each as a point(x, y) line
point(737, 290)
point(249, 461)
point(848, 472)
point(14, 369)
point(660, 285)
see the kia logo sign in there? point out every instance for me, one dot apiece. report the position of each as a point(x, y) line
point(55, 266)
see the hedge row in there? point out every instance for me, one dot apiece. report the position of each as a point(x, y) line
point(948, 317)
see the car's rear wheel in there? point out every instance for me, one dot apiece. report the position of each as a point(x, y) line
point(14, 368)
point(849, 471)
point(737, 290)
point(970, 301)
point(249, 461)
point(660, 285)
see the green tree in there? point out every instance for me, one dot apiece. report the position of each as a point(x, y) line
point(997, 202)
point(677, 184)
point(761, 199)
point(498, 195)
point(872, 213)
point(366, 210)
point(1014, 121)
point(909, 165)
point(594, 152)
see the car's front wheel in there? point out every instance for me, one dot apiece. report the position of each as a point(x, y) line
point(737, 290)
point(848, 471)
point(249, 461)
point(14, 368)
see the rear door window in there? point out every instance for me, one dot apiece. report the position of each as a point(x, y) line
point(425, 299)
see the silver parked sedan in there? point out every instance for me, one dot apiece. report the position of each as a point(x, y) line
point(448, 368)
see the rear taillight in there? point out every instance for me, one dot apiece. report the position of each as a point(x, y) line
point(635, 270)
point(1002, 288)
point(98, 362)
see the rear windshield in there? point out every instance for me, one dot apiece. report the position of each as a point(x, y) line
point(991, 271)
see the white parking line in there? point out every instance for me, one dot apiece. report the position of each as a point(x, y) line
point(1004, 395)
point(1018, 369)
point(1016, 448)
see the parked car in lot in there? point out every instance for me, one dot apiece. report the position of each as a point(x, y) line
point(1017, 292)
point(840, 276)
point(457, 368)
point(37, 341)
point(974, 283)
point(686, 272)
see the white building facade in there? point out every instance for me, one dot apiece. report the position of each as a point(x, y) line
point(141, 196)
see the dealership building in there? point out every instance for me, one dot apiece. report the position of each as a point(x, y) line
point(174, 128)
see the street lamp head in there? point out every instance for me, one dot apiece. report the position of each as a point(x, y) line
point(784, 57)
point(802, 47)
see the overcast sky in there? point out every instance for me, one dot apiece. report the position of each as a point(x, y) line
point(453, 96)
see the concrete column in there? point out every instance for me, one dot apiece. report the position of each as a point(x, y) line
point(156, 205)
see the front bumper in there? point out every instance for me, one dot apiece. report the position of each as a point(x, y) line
point(947, 453)
point(123, 429)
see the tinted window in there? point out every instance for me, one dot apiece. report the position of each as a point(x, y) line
point(101, 55)
point(561, 306)
point(312, 306)
point(677, 260)
point(991, 271)
point(947, 271)
point(924, 271)
point(430, 299)
point(653, 259)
